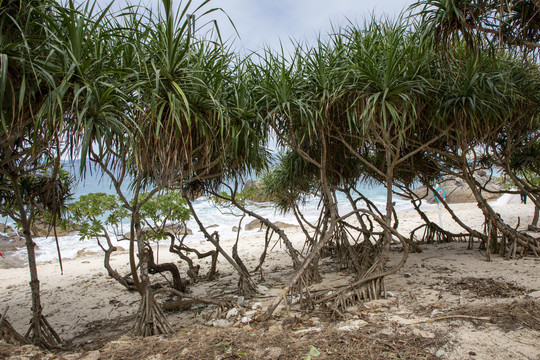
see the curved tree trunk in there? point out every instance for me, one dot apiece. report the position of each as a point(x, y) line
point(153, 268)
point(150, 318)
point(125, 281)
point(193, 271)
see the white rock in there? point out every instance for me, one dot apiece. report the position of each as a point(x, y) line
point(250, 313)
point(245, 320)
point(231, 313)
point(390, 294)
point(308, 330)
point(221, 323)
point(352, 325)
point(440, 353)
point(256, 306)
point(242, 302)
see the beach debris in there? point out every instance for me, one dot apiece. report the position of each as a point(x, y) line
point(231, 313)
point(313, 353)
point(440, 353)
point(351, 325)
point(307, 330)
point(221, 323)
point(256, 306)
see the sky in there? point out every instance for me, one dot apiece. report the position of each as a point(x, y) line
point(262, 23)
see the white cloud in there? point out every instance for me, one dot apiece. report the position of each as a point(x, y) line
point(266, 22)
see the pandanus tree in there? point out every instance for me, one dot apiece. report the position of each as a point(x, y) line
point(108, 74)
point(156, 116)
point(513, 24)
point(32, 125)
point(488, 76)
point(484, 103)
point(348, 107)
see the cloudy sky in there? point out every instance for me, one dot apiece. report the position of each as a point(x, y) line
point(263, 23)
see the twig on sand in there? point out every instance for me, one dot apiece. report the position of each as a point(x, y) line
point(451, 317)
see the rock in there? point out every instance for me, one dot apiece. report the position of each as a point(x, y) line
point(351, 325)
point(221, 323)
point(176, 229)
point(255, 224)
point(10, 242)
point(254, 190)
point(5, 228)
point(42, 229)
point(308, 330)
point(245, 320)
point(231, 313)
point(85, 252)
point(457, 190)
point(4, 248)
point(235, 229)
point(283, 225)
point(242, 302)
point(440, 353)
point(256, 306)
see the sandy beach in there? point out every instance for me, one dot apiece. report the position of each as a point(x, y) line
point(490, 301)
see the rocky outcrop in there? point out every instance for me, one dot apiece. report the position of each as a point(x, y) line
point(457, 190)
point(258, 224)
point(255, 191)
point(42, 229)
point(10, 240)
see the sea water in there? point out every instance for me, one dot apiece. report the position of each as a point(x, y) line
point(222, 219)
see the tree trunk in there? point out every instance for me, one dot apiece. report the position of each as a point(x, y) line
point(44, 338)
point(153, 268)
point(150, 318)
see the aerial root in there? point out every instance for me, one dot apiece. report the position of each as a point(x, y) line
point(150, 319)
point(46, 338)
